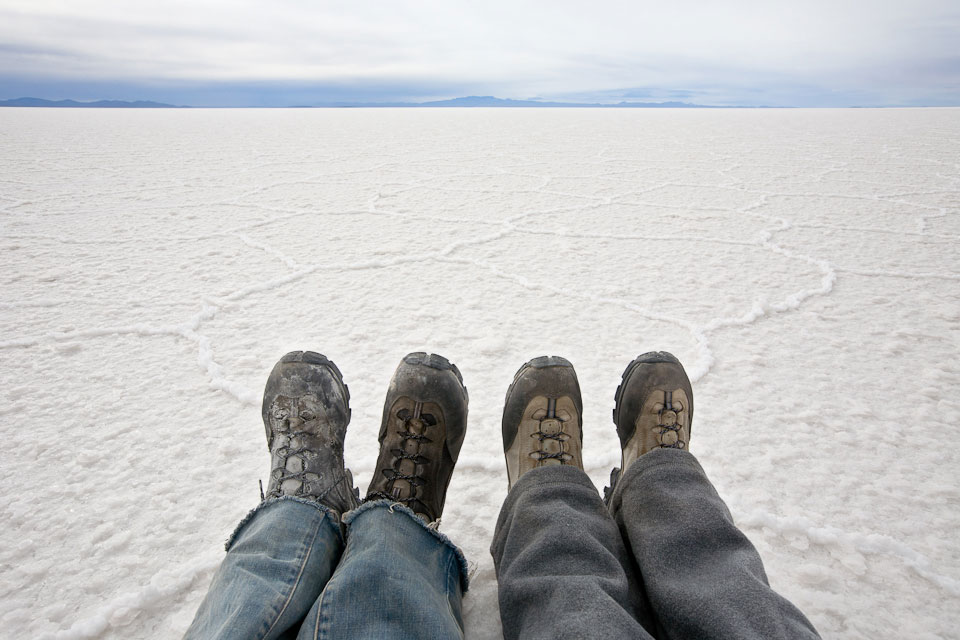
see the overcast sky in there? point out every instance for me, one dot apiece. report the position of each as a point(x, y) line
point(283, 52)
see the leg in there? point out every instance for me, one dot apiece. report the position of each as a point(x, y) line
point(282, 554)
point(702, 576)
point(277, 562)
point(562, 568)
point(397, 579)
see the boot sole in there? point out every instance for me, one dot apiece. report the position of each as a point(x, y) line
point(438, 363)
point(433, 361)
point(312, 357)
point(540, 362)
point(650, 357)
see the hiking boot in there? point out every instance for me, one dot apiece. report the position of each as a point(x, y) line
point(653, 408)
point(305, 412)
point(542, 417)
point(424, 422)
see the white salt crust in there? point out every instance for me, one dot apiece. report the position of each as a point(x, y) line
point(803, 264)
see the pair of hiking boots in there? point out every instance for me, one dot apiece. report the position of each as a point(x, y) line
point(306, 409)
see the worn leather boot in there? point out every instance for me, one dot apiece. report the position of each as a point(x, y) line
point(542, 417)
point(653, 408)
point(424, 423)
point(306, 408)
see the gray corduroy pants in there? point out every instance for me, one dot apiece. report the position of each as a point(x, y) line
point(662, 560)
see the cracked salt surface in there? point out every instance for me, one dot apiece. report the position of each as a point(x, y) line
point(802, 264)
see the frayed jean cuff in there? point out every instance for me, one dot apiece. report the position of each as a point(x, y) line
point(396, 507)
point(334, 518)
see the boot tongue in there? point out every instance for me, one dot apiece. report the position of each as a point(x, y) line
point(294, 465)
point(551, 426)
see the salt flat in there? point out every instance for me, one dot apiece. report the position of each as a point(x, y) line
point(803, 264)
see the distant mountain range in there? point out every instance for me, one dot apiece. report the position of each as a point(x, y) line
point(99, 104)
point(469, 101)
point(490, 101)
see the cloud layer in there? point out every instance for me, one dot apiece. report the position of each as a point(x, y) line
point(745, 52)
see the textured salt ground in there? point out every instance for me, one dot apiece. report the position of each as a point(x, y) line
point(802, 264)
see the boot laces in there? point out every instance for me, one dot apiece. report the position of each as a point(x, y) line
point(556, 434)
point(409, 423)
point(280, 474)
point(668, 420)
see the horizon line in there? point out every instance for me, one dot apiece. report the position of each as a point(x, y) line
point(472, 101)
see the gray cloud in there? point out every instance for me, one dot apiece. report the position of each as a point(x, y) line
point(772, 52)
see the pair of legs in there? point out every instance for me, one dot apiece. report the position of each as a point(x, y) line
point(658, 557)
point(312, 560)
point(290, 572)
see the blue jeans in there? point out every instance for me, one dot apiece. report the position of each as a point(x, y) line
point(292, 571)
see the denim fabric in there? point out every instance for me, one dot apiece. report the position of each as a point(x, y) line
point(278, 561)
point(397, 579)
point(288, 571)
point(664, 561)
